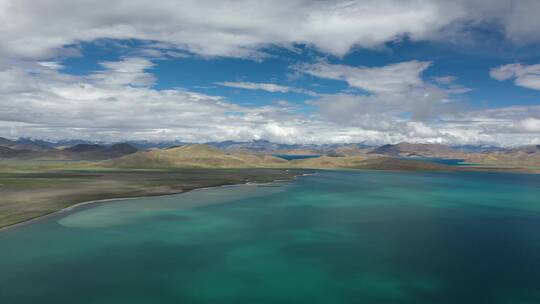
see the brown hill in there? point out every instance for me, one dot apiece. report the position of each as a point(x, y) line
point(194, 156)
point(405, 149)
point(6, 152)
point(528, 156)
point(204, 156)
point(349, 150)
point(98, 152)
point(370, 162)
point(327, 162)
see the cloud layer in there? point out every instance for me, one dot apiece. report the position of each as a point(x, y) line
point(386, 103)
point(119, 103)
point(242, 28)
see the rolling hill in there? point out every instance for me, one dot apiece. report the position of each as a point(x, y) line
point(527, 157)
point(204, 156)
point(369, 162)
point(99, 152)
point(405, 149)
point(194, 156)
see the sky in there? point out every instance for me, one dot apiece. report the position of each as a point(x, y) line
point(296, 71)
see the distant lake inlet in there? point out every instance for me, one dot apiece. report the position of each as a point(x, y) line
point(292, 156)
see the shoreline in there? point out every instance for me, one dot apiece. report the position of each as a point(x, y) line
point(292, 178)
point(106, 200)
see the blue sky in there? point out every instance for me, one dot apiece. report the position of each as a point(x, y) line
point(297, 71)
point(469, 65)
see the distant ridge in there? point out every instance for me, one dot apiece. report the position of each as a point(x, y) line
point(97, 152)
point(29, 149)
point(23, 145)
point(405, 149)
point(84, 148)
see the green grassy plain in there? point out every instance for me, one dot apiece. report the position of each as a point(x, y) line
point(35, 188)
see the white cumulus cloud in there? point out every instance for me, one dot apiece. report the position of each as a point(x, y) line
point(392, 89)
point(392, 78)
point(527, 76)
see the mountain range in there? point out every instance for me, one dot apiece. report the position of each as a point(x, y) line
point(262, 153)
point(35, 149)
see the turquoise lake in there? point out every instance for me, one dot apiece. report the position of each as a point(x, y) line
point(331, 237)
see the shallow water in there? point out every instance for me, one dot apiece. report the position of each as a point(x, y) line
point(333, 237)
point(442, 161)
